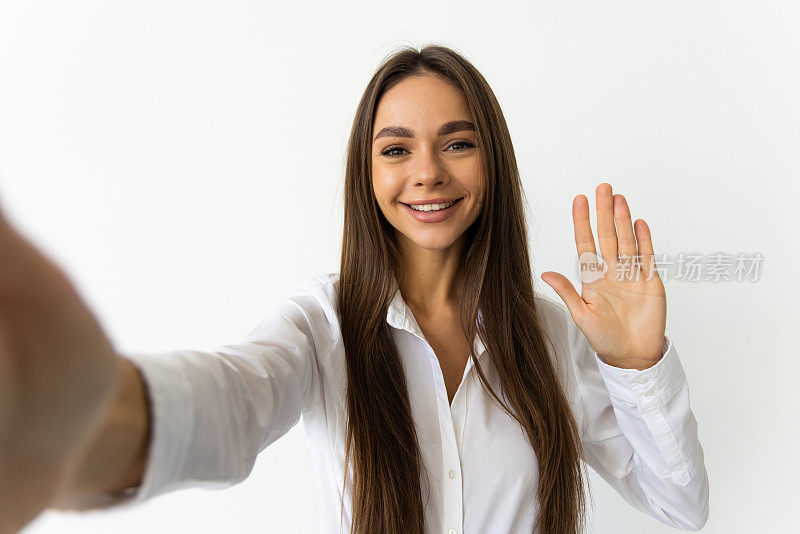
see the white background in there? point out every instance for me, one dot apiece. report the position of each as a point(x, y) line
point(183, 162)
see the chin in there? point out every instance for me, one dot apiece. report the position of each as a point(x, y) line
point(433, 242)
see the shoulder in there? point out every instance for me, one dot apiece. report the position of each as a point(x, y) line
point(319, 292)
point(313, 303)
point(571, 352)
point(548, 303)
point(561, 328)
point(554, 314)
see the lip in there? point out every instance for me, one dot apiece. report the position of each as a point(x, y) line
point(432, 216)
point(440, 200)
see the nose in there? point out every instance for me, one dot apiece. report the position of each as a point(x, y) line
point(428, 170)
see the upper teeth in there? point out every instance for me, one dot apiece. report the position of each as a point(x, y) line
point(432, 207)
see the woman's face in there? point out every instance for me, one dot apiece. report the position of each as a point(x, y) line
point(425, 154)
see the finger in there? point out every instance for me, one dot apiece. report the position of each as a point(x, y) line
point(606, 233)
point(645, 242)
point(626, 241)
point(584, 240)
point(563, 287)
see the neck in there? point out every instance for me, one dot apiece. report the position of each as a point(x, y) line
point(429, 278)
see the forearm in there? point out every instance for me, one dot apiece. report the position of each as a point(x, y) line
point(116, 457)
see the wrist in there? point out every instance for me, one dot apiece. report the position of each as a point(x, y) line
point(640, 364)
point(114, 460)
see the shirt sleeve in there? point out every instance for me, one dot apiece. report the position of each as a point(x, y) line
point(212, 412)
point(640, 435)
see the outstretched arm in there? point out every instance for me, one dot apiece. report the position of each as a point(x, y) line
point(83, 426)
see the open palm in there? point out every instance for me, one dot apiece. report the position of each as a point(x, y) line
point(622, 307)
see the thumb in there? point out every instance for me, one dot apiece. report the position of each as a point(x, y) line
point(563, 287)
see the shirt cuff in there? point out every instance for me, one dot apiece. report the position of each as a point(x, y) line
point(648, 388)
point(169, 397)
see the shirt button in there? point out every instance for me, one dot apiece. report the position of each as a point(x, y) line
point(641, 379)
point(452, 474)
point(650, 393)
point(452, 531)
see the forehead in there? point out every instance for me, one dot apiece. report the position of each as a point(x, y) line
point(421, 103)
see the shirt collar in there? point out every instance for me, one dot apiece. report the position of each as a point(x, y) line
point(400, 316)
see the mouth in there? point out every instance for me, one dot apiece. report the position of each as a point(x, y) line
point(432, 210)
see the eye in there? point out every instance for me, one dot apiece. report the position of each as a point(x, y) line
point(388, 150)
point(466, 144)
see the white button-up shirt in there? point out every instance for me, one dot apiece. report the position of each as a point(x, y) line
point(213, 412)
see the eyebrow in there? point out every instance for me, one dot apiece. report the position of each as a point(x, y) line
point(445, 129)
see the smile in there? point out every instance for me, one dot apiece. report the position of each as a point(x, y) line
point(432, 207)
point(432, 213)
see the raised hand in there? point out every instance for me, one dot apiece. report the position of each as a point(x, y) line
point(622, 308)
point(58, 375)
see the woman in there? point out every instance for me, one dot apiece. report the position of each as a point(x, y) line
point(438, 392)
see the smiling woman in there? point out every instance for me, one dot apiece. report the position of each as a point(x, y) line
point(441, 138)
point(439, 393)
point(429, 122)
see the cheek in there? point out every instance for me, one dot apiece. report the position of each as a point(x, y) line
point(386, 188)
point(378, 186)
point(477, 185)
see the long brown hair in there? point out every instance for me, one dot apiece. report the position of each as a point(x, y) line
point(497, 280)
